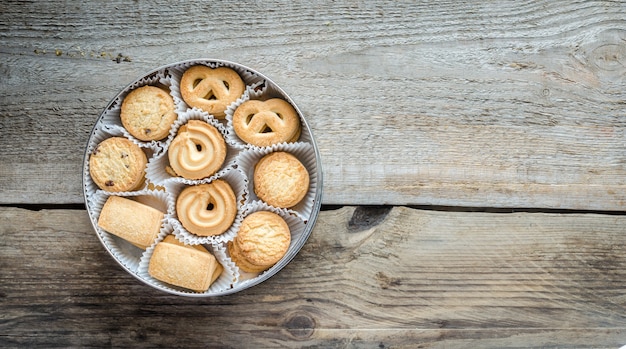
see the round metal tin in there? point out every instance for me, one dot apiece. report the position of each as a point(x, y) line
point(131, 259)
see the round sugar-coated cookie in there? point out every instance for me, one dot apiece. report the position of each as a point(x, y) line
point(263, 238)
point(280, 179)
point(117, 164)
point(242, 263)
point(148, 113)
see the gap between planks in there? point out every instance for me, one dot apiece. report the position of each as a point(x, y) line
point(39, 207)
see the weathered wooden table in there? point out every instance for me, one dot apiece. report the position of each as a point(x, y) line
point(474, 159)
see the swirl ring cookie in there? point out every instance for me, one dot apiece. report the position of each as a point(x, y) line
point(148, 113)
point(263, 123)
point(197, 151)
point(117, 164)
point(211, 90)
point(262, 240)
point(280, 179)
point(207, 209)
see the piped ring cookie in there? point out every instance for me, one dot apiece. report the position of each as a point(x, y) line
point(262, 240)
point(207, 209)
point(263, 123)
point(197, 151)
point(117, 164)
point(280, 179)
point(211, 90)
point(148, 113)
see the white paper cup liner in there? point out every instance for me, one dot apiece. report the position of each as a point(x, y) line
point(126, 253)
point(226, 281)
point(296, 228)
point(155, 169)
point(261, 92)
point(304, 152)
point(111, 116)
point(249, 78)
point(170, 78)
point(99, 134)
point(238, 183)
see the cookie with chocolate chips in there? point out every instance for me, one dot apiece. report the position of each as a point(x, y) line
point(148, 113)
point(117, 164)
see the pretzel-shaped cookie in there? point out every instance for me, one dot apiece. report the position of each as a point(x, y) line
point(263, 123)
point(211, 90)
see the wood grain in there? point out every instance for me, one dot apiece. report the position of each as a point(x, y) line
point(498, 104)
point(367, 278)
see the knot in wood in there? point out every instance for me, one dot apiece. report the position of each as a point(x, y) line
point(300, 325)
point(365, 217)
point(610, 57)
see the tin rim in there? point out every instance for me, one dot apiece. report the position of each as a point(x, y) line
point(309, 224)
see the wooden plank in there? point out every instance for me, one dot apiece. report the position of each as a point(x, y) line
point(474, 104)
point(367, 277)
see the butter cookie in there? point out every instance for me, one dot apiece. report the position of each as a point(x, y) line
point(117, 164)
point(211, 89)
point(191, 267)
point(133, 221)
point(197, 151)
point(207, 209)
point(263, 123)
point(262, 240)
point(148, 113)
point(280, 179)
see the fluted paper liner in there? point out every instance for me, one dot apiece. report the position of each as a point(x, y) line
point(225, 281)
point(100, 133)
point(157, 164)
point(296, 228)
point(237, 182)
point(160, 189)
point(249, 78)
point(111, 116)
point(303, 152)
point(262, 92)
point(126, 253)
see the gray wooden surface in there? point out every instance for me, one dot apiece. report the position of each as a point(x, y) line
point(367, 278)
point(498, 104)
point(503, 122)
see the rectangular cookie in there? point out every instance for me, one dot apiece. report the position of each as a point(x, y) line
point(218, 267)
point(191, 267)
point(134, 222)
